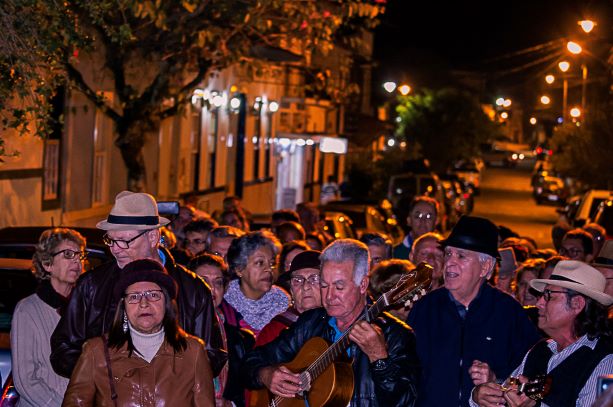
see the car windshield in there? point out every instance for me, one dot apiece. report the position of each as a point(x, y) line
point(595, 205)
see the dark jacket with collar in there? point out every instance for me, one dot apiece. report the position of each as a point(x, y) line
point(391, 384)
point(91, 310)
point(496, 331)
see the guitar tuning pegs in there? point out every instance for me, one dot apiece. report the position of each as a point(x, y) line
point(423, 291)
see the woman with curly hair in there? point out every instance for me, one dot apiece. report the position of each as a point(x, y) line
point(57, 263)
point(252, 300)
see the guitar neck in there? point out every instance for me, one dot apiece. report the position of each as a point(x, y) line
point(337, 348)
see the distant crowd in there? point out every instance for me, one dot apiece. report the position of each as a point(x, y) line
point(202, 311)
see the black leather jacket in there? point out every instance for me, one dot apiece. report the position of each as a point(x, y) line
point(390, 383)
point(91, 310)
point(240, 341)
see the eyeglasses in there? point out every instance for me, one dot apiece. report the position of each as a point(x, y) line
point(71, 254)
point(422, 215)
point(122, 244)
point(150, 296)
point(573, 251)
point(547, 294)
point(298, 281)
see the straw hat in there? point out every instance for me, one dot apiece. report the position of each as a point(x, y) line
point(133, 211)
point(577, 276)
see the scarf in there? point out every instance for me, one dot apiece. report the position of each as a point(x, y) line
point(49, 296)
point(257, 313)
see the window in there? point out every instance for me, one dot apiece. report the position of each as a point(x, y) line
point(52, 152)
point(212, 146)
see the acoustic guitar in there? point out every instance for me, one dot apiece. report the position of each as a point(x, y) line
point(326, 381)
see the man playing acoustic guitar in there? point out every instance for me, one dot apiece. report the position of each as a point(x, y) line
point(384, 362)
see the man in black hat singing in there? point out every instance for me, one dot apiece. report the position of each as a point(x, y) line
point(467, 325)
point(132, 233)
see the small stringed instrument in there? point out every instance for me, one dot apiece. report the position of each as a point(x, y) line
point(326, 381)
point(536, 388)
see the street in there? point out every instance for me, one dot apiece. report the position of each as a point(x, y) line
point(506, 199)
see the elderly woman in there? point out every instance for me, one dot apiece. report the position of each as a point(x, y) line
point(384, 277)
point(147, 358)
point(252, 300)
point(57, 263)
point(306, 294)
point(288, 252)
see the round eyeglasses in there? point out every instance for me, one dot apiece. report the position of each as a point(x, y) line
point(71, 254)
point(299, 281)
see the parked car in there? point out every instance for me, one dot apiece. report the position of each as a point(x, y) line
point(20, 243)
point(16, 282)
point(550, 190)
point(588, 206)
point(339, 225)
point(365, 217)
point(604, 217)
point(469, 173)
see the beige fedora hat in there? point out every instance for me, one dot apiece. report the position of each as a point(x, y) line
point(605, 257)
point(577, 276)
point(133, 211)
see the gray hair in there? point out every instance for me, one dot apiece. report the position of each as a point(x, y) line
point(484, 259)
point(243, 247)
point(343, 250)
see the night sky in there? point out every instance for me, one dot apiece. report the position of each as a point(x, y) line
point(419, 42)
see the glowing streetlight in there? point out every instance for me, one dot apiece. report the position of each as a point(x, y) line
point(575, 112)
point(587, 25)
point(507, 103)
point(545, 100)
point(273, 106)
point(389, 86)
point(573, 47)
point(404, 90)
point(533, 121)
point(564, 66)
point(499, 101)
point(504, 115)
point(550, 79)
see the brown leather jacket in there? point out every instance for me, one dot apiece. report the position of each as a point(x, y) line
point(91, 310)
point(181, 379)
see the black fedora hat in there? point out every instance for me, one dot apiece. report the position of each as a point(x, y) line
point(476, 234)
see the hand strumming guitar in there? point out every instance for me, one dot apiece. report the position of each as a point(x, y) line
point(514, 399)
point(370, 339)
point(488, 395)
point(280, 381)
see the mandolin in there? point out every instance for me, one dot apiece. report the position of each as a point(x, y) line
point(328, 382)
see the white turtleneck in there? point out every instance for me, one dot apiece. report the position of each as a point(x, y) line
point(147, 345)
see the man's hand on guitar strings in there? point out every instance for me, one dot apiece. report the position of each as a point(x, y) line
point(514, 399)
point(280, 381)
point(370, 339)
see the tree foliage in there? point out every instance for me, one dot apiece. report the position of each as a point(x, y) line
point(155, 52)
point(585, 152)
point(443, 125)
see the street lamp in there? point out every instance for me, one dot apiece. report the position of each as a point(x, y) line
point(507, 103)
point(389, 86)
point(545, 100)
point(564, 66)
point(573, 47)
point(550, 79)
point(499, 101)
point(533, 121)
point(504, 115)
point(404, 90)
point(587, 25)
point(575, 112)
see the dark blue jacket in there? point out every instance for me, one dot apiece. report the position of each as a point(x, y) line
point(386, 386)
point(496, 330)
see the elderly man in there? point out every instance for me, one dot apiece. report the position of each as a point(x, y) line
point(577, 244)
point(467, 324)
point(573, 312)
point(132, 233)
point(383, 351)
point(427, 248)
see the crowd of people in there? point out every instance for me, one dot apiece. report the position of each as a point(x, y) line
point(203, 311)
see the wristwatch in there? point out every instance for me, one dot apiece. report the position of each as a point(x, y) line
point(380, 364)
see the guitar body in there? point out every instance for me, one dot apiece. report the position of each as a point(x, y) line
point(333, 388)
